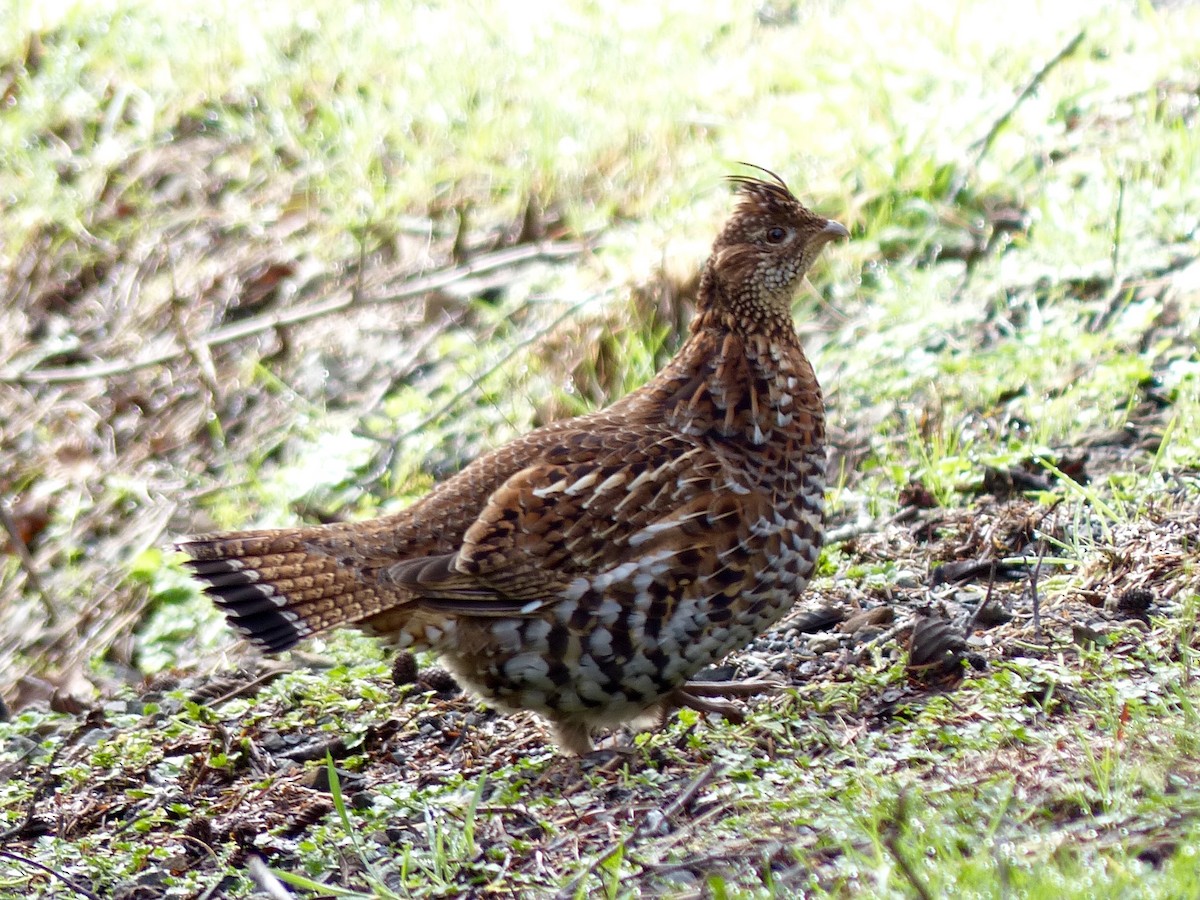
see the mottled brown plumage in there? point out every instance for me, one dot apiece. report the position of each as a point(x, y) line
point(588, 569)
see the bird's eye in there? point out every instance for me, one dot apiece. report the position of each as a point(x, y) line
point(776, 235)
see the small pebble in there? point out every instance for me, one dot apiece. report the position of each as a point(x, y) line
point(991, 615)
point(824, 643)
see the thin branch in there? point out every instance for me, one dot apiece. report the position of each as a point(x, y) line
point(571, 889)
point(1033, 592)
point(26, 559)
point(983, 603)
point(201, 357)
point(1116, 247)
point(688, 794)
point(249, 687)
point(891, 839)
point(169, 349)
point(489, 262)
point(866, 525)
point(392, 444)
point(477, 383)
point(34, 864)
point(985, 143)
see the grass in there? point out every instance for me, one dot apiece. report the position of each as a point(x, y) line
point(1018, 301)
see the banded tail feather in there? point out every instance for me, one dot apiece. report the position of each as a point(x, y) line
point(276, 589)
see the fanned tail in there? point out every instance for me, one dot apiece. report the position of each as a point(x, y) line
point(278, 587)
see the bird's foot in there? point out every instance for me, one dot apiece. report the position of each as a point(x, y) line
point(612, 751)
point(702, 696)
point(573, 737)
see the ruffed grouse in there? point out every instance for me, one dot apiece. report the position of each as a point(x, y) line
point(588, 569)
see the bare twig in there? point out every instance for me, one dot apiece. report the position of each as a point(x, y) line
point(26, 558)
point(860, 526)
point(34, 864)
point(250, 687)
point(571, 889)
point(391, 444)
point(218, 885)
point(891, 839)
point(196, 349)
point(43, 788)
point(477, 383)
point(1033, 592)
point(168, 350)
point(688, 794)
point(985, 143)
point(986, 600)
point(201, 356)
point(199, 352)
point(1116, 247)
point(867, 525)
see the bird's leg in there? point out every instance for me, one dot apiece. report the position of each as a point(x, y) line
point(572, 736)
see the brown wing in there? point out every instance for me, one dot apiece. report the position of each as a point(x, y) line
point(626, 504)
